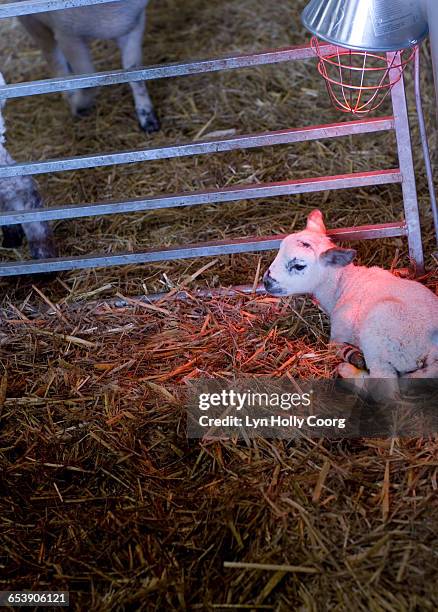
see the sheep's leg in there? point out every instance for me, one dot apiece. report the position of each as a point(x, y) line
point(79, 59)
point(131, 50)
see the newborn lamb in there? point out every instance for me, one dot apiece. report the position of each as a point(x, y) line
point(393, 321)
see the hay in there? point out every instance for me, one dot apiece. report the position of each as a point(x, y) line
point(103, 494)
point(101, 491)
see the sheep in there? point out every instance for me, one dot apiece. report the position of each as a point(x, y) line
point(393, 321)
point(63, 37)
point(21, 193)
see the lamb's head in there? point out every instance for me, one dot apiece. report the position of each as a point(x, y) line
point(305, 259)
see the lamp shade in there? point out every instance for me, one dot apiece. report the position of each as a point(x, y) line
point(368, 25)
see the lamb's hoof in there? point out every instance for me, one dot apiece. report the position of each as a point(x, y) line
point(148, 121)
point(37, 278)
point(82, 103)
point(352, 379)
point(351, 354)
point(347, 370)
point(83, 111)
point(12, 236)
point(43, 250)
point(44, 277)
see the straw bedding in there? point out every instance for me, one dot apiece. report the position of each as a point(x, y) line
point(101, 493)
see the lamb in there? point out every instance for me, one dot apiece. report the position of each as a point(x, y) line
point(393, 321)
point(21, 193)
point(63, 37)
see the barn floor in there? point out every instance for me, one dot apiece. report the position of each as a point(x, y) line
point(101, 493)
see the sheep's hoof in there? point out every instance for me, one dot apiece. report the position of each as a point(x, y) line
point(148, 121)
point(12, 236)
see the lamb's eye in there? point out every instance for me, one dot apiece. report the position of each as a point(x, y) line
point(292, 265)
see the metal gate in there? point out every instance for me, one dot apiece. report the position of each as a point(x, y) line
point(404, 174)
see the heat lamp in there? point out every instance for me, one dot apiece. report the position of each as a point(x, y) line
point(373, 43)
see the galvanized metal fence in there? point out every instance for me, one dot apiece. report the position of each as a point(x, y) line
point(403, 175)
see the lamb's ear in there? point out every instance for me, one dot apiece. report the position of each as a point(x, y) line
point(337, 256)
point(315, 222)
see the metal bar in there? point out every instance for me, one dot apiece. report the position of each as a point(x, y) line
point(200, 147)
point(210, 196)
point(425, 143)
point(160, 71)
point(206, 249)
point(404, 146)
point(30, 7)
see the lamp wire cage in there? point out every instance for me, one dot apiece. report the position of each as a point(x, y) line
point(357, 81)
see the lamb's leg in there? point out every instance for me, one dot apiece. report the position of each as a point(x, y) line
point(430, 371)
point(356, 378)
point(79, 59)
point(381, 382)
point(39, 236)
point(131, 50)
point(40, 239)
point(347, 370)
point(45, 39)
point(64, 56)
point(21, 194)
point(384, 385)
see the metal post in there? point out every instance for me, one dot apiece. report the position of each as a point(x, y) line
point(409, 189)
point(424, 142)
point(431, 10)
